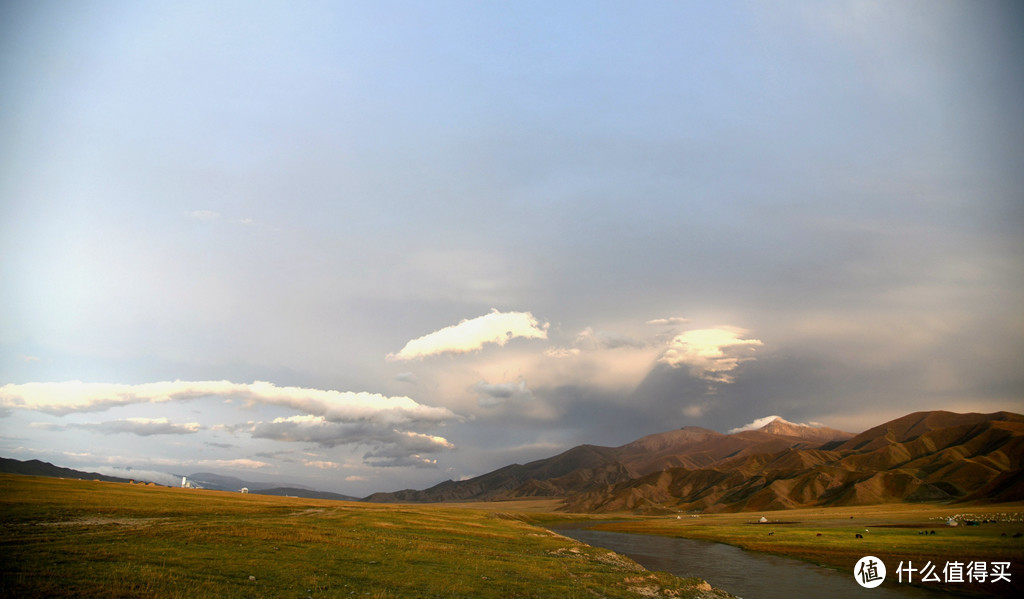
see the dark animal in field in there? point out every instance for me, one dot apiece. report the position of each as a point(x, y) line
point(818, 535)
point(1018, 535)
point(859, 536)
point(932, 532)
point(1003, 535)
point(770, 534)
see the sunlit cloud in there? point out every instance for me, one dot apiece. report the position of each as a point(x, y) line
point(339, 406)
point(711, 354)
point(322, 464)
point(473, 334)
point(756, 424)
point(760, 423)
point(672, 320)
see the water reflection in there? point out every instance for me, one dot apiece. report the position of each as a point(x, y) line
point(742, 573)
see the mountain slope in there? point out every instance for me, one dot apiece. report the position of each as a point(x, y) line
point(39, 468)
point(927, 456)
point(589, 467)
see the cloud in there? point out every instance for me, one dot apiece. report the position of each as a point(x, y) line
point(406, 377)
point(323, 465)
point(762, 422)
point(143, 427)
point(711, 354)
point(492, 394)
point(753, 426)
point(239, 463)
point(203, 215)
point(589, 339)
point(154, 476)
point(383, 460)
point(471, 335)
point(672, 320)
point(386, 442)
point(337, 406)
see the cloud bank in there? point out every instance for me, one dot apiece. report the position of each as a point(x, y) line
point(75, 396)
point(328, 418)
point(473, 334)
point(143, 427)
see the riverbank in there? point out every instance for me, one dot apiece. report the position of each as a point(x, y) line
point(894, 533)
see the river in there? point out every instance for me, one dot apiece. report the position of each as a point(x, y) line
point(745, 574)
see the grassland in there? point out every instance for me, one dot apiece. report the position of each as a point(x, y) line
point(71, 538)
point(891, 532)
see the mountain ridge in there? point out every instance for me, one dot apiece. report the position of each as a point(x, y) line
point(923, 456)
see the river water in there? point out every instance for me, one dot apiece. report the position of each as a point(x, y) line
point(743, 573)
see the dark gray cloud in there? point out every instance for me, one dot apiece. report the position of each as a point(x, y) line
point(390, 446)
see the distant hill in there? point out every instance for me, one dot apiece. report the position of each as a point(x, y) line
point(205, 480)
point(305, 493)
point(925, 456)
point(219, 482)
point(38, 468)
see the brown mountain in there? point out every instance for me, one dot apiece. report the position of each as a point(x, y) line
point(591, 467)
point(925, 456)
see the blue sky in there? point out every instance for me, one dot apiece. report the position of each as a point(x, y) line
point(373, 245)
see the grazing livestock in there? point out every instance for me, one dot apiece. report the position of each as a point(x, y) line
point(771, 533)
point(1018, 535)
point(818, 535)
point(860, 536)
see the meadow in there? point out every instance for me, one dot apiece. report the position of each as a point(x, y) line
point(892, 532)
point(74, 538)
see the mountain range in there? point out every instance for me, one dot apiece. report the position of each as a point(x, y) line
point(924, 456)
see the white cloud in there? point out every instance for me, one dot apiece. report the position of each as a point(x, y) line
point(711, 354)
point(672, 320)
point(203, 215)
point(322, 464)
point(753, 426)
point(338, 406)
point(472, 334)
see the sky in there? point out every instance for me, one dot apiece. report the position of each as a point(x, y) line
point(368, 246)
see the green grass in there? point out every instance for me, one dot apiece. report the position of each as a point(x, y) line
point(827, 536)
point(94, 539)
